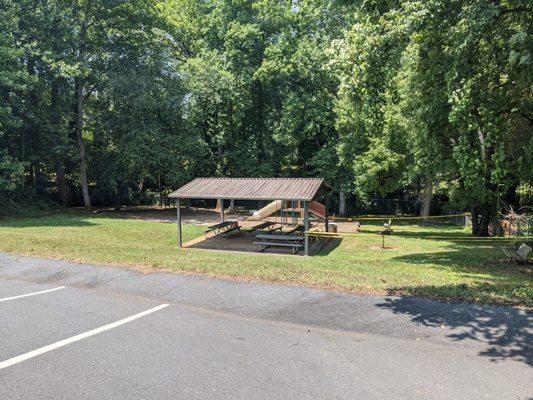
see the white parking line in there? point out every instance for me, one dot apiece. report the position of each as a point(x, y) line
point(32, 294)
point(64, 342)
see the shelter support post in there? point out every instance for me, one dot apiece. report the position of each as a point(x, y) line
point(306, 228)
point(178, 222)
point(221, 210)
point(326, 215)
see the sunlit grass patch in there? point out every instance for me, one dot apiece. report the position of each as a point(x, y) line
point(429, 261)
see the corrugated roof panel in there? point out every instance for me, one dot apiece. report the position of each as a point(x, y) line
point(303, 189)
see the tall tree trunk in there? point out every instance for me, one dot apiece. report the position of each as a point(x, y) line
point(487, 212)
point(119, 195)
point(39, 178)
point(61, 182)
point(29, 131)
point(342, 202)
point(427, 195)
point(475, 221)
point(23, 154)
point(484, 224)
point(481, 217)
point(220, 151)
point(32, 174)
point(486, 209)
point(159, 189)
point(56, 121)
point(81, 145)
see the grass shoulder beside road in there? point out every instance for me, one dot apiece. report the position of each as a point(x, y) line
point(433, 262)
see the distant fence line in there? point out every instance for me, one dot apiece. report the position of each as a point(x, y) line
point(457, 218)
point(436, 237)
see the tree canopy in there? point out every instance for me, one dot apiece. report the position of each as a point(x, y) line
point(101, 101)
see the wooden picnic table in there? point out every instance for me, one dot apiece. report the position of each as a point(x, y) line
point(223, 228)
point(267, 226)
point(274, 240)
point(263, 225)
point(273, 236)
point(294, 229)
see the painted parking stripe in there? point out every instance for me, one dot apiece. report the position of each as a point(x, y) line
point(64, 342)
point(32, 294)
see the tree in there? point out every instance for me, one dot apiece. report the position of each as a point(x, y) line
point(446, 75)
point(13, 82)
point(101, 101)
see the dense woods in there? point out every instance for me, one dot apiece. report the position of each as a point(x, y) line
point(104, 100)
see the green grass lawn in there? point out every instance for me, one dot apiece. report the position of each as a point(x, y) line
point(427, 261)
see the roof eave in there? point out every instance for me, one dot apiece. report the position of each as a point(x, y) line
point(178, 196)
point(185, 192)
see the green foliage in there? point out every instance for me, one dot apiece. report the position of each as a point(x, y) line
point(11, 173)
point(380, 97)
point(376, 169)
point(525, 193)
point(448, 86)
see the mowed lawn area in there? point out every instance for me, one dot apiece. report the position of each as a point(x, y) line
point(434, 262)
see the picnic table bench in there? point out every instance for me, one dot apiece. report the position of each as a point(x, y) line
point(223, 228)
point(273, 240)
point(520, 255)
point(295, 229)
point(267, 226)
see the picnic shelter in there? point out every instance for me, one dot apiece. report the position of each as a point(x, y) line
point(285, 195)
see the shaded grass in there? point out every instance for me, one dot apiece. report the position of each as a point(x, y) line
point(29, 206)
point(451, 269)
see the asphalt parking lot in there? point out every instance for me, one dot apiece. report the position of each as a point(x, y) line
point(71, 331)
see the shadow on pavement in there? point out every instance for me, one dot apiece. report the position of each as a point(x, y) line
point(507, 332)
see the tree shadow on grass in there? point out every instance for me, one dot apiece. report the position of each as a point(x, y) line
point(324, 249)
point(54, 220)
point(458, 256)
point(436, 235)
point(488, 275)
point(507, 332)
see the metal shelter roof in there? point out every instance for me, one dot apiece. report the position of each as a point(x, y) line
point(299, 189)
